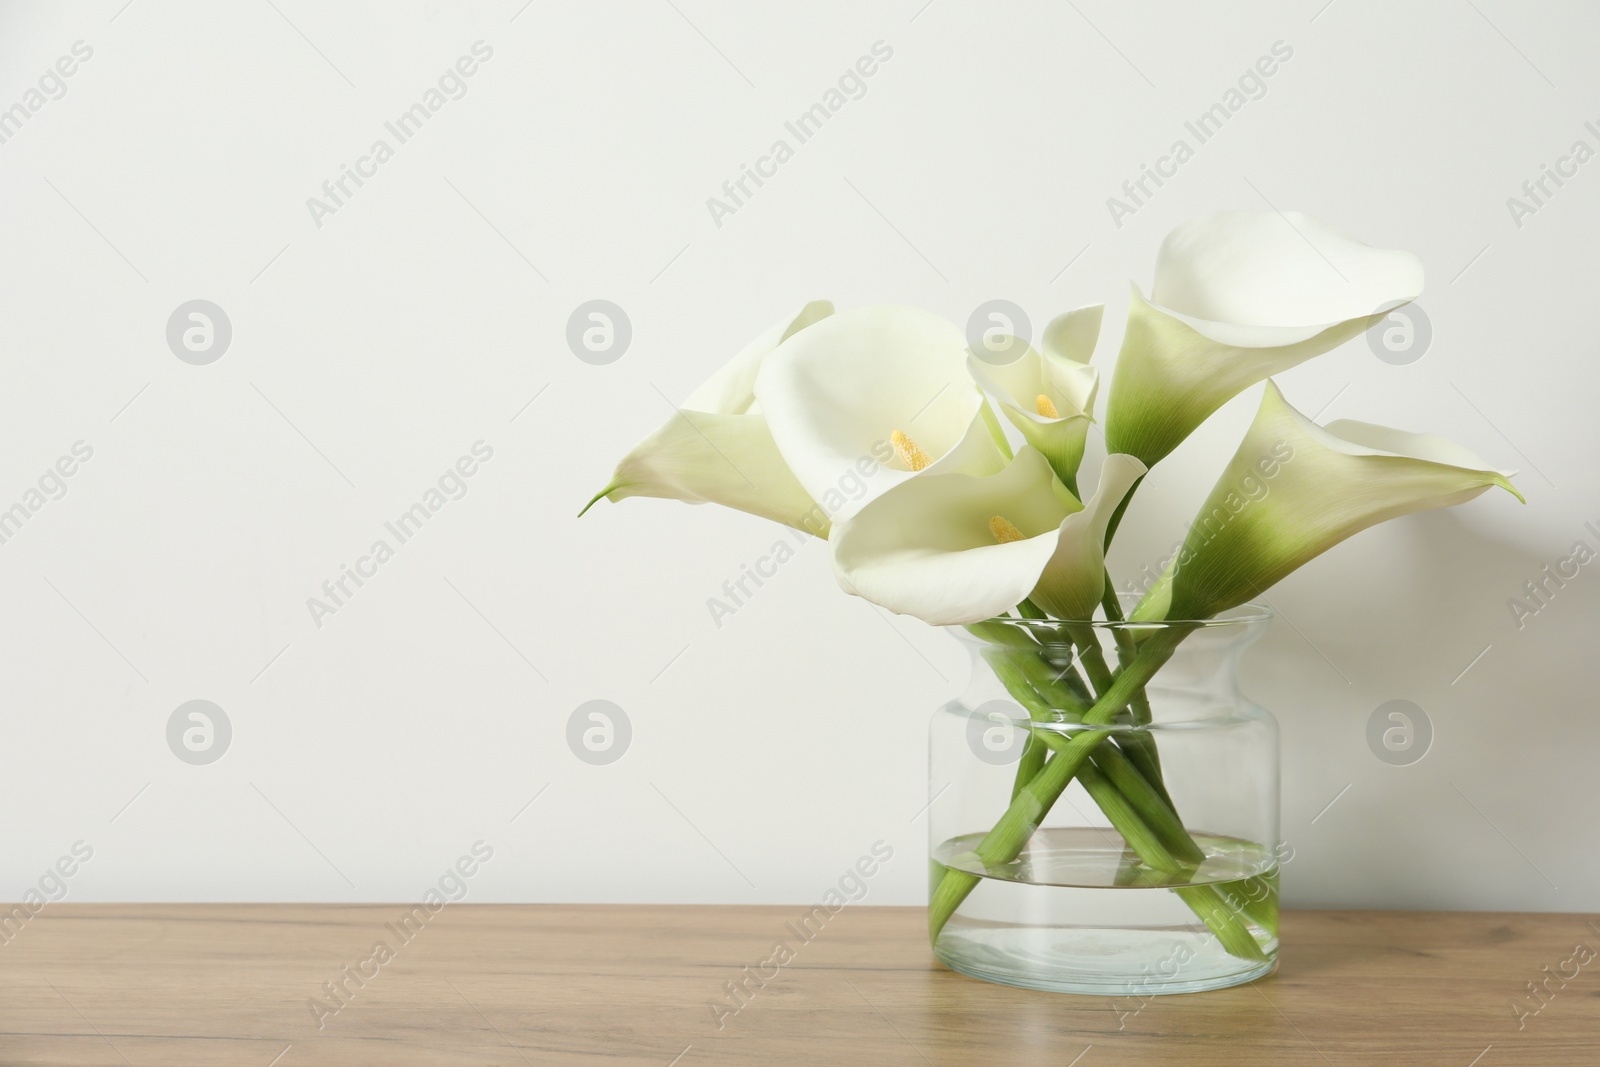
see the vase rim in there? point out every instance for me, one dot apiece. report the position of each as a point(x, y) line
point(1241, 617)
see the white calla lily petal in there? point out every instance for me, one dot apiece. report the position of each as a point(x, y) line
point(837, 392)
point(1355, 438)
point(731, 390)
point(927, 549)
point(1057, 424)
point(1259, 279)
point(706, 458)
point(1073, 334)
point(1294, 490)
point(1070, 387)
point(718, 449)
point(1074, 580)
point(1240, 296)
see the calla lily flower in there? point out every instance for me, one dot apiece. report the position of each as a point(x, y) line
point(1238, 297)
point(717, 449)
point(1049, 395)
point(877, 382)
point(959, 548)
point(1294, 490)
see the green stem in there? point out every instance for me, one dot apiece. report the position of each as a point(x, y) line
point(1155, 834)
point(1140, 746)
point(1122, 509)
point(1113, 605)
point(1042, 695)
point(1021, 654)
point(1215, 909)
point(1030, 763)
point(1030, 680)
point(1150, 845)
point(1029, 610)
point(1013, 668)
point(1149, 758)
point(1028, 807)
point(1258, 902)
point(1151, 803)
point(1137, 806)
point(1094, 661)
point(1222, 918)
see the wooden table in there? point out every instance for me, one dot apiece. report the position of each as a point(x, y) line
point(220, 984)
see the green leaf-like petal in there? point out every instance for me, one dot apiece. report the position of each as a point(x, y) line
point(1060, 374)
point(1074, 579)
point(1294, 490)
point(706, 458)
point(1238, 297)
point(718, 449)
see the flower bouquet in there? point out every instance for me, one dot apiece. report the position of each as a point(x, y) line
point(947, 479)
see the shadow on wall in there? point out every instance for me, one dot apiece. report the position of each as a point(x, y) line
point(1502, 707)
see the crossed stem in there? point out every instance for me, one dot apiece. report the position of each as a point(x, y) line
point(1122, 776)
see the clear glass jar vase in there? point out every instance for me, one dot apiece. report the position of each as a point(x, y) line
point(1104, 809)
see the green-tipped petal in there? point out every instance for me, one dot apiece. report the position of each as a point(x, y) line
point(718, 449)
point(1157, 600)
point(706, 458)
point(1238, 297)
point(958, 549)
point(927, 548)
point(1058, 373)
point(1295, 489)
point(1074, 580)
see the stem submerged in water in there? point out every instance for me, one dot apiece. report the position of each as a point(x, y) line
point(1032, 801)
point(1122, 777)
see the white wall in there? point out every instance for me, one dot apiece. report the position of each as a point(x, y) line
point(372, 350)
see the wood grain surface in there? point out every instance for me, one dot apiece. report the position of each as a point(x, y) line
point(213, 984)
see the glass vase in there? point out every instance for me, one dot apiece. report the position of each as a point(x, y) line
point(1103, 812)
